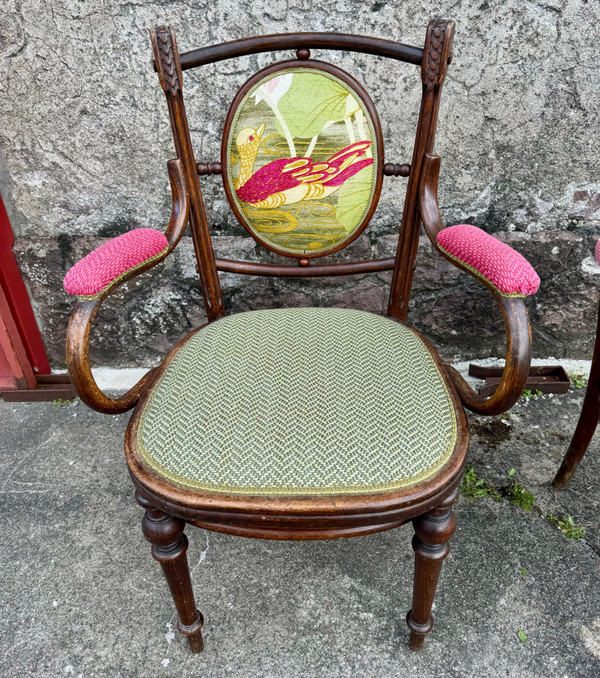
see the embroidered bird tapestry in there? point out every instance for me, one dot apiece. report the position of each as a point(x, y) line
point(302, 160)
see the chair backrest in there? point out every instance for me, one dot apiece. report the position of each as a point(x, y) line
point(302, 155)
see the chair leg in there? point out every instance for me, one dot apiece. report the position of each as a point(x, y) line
point(430, 544)
point(588, 421)
point(169, 546)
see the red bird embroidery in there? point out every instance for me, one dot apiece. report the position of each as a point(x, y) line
point(290, 180)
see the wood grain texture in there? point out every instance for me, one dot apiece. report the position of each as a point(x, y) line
point(211, 288)
point(438, 41)
point(296, 41)
point(169, 547)
point(305, 269)
point(430, 544)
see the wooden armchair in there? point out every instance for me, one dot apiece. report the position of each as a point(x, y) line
point(302, 423)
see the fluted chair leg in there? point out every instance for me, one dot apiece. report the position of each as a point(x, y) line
point(430, 543)
point(169, 546)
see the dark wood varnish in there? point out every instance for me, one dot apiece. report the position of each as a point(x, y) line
point(169, 546)
point(430, 544)
point(206, 168)
point(168, 67)
point(302, 271)
point(514, 312)
point(298, 41)
point(80, 323)
point(391, 169)
point(436, 54)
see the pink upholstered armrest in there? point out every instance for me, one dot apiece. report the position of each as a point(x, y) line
point(107, 264)
point(597, 252)
point(504, 268)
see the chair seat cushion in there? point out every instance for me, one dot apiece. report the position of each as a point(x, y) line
point(302, 401)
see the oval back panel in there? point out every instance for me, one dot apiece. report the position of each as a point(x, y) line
point(302, 158)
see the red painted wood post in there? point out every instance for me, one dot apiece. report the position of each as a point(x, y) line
point(18, 305)
point(15, 368)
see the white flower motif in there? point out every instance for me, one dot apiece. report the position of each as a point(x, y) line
point(274, 89)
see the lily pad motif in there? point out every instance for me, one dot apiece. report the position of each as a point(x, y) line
point(353, 196)
point(311, 102)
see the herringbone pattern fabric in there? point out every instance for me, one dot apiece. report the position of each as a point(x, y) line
point(299, 401)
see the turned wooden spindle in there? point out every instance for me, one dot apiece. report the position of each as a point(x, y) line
point(391, 169)
point(430, 544)
point(204, 168)
point(169, 546)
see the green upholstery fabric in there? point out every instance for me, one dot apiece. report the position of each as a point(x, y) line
point(316, 401)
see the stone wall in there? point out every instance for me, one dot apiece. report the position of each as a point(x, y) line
point(84, 138)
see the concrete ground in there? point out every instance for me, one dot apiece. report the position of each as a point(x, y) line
point(83, 597)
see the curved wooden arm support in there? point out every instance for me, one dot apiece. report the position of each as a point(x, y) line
point(78, 332)
point(514, 312)
point(516, 369)
point(180, 210)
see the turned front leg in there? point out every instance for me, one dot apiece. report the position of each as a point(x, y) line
point(169, 546)
point(430, 544)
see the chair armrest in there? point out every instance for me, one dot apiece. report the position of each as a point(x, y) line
point(107, 265)
point(504, 272)
point(99, 273)
point(484, 256)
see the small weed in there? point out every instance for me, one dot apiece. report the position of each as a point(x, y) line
point(528, 395)
point(522, 635)
point(567, 526)
point(577, 380)
point(473, 487)
point(570, 529)
point(59, 402)
point(523, 572)
point(519, 496)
